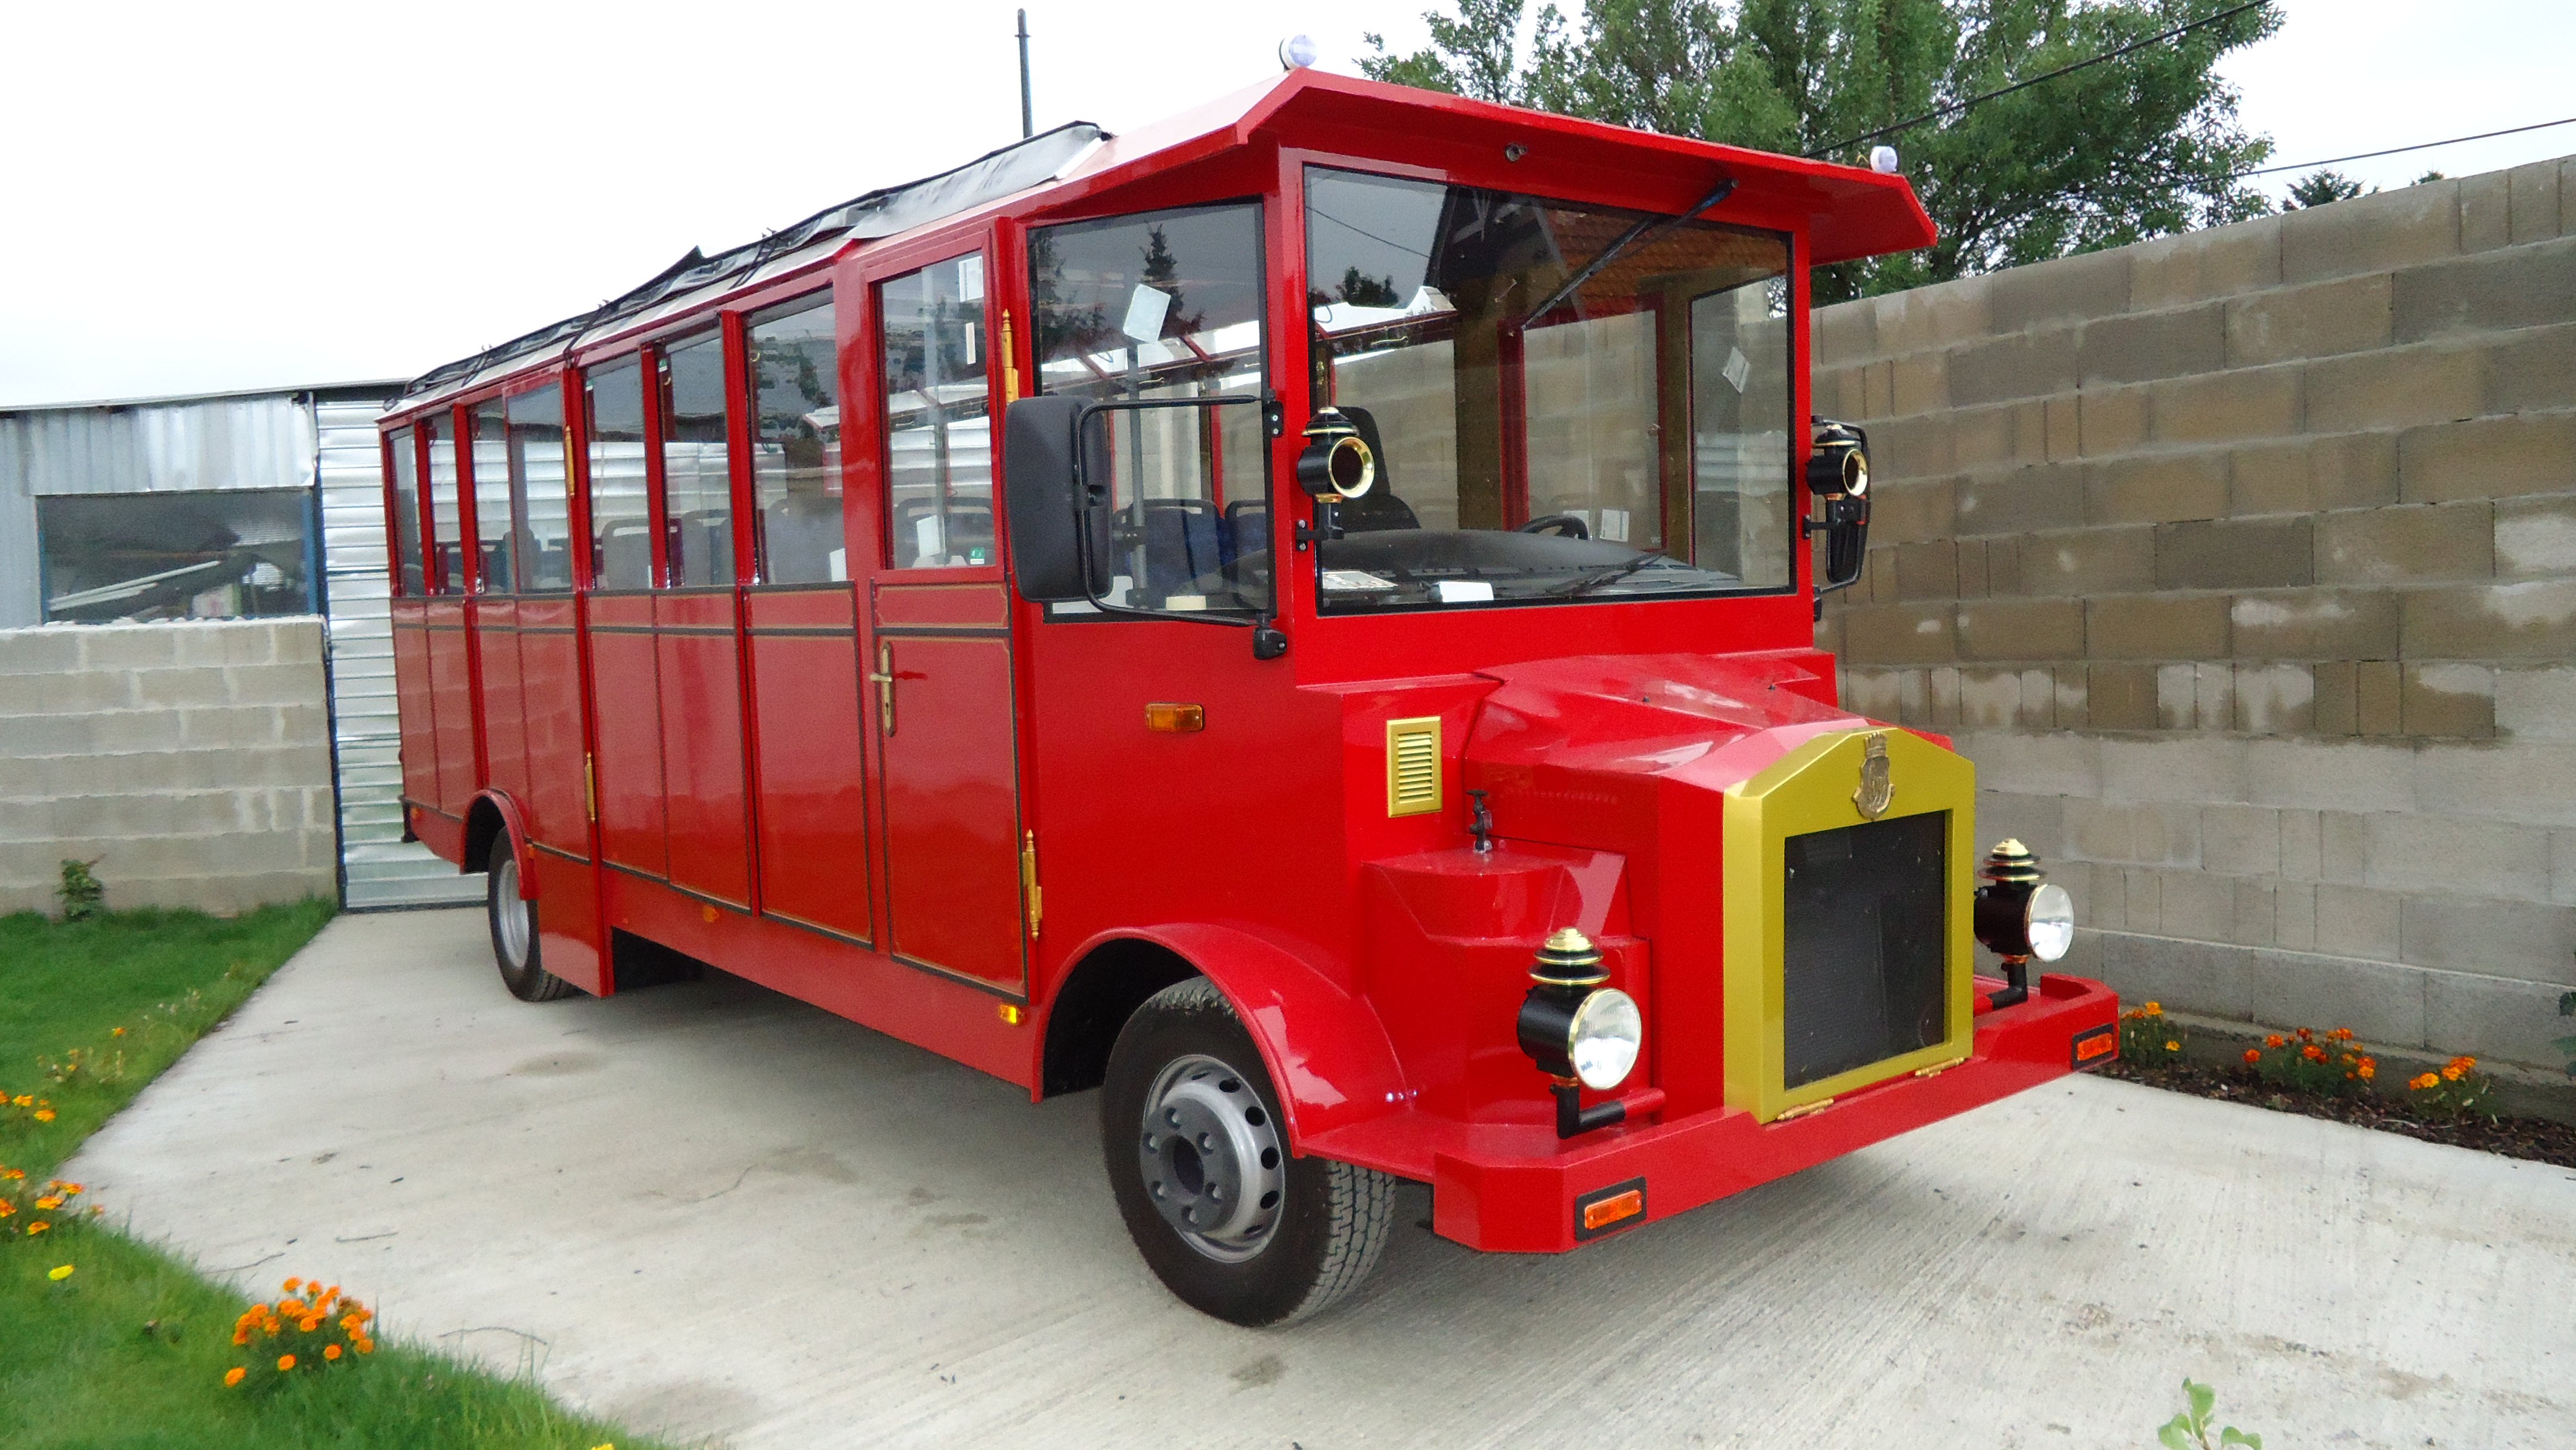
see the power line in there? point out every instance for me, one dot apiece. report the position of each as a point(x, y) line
point(2418, 146)
point(1955, 107)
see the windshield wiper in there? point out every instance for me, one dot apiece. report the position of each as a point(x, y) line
point(1645, 229)
point(1611, 575)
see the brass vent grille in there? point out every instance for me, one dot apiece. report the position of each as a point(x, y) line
point(1413, 766)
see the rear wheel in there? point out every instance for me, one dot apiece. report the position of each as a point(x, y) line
point(514, 929)
point(1198, 1158)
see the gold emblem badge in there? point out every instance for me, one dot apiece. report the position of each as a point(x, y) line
point(1877, 788)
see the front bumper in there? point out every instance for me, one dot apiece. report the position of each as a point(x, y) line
point(1515, 1188)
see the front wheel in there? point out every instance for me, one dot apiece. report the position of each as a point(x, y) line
point(514, 929)
point(1198, 1158)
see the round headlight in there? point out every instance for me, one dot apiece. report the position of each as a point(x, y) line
point(2051, 928)
point(1605, 1037)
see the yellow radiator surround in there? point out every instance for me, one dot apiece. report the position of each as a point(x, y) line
point(1812, 789)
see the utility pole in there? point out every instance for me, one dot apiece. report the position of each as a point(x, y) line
point(1028, 118)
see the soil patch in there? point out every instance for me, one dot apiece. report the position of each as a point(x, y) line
point(2536, 1139)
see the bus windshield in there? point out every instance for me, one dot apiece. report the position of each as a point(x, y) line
point(1630, 440)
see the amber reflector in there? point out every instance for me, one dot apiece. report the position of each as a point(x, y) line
point(2096, 1045)
point(1614, 1208)
point(1175, 719)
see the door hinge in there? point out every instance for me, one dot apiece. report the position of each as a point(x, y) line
point(1030, 892)
point(590, 786)
point(884, 680)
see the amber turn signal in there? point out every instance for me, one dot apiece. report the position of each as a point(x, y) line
point(1171, 719)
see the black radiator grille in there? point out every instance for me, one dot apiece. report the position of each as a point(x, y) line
point(1864, 932)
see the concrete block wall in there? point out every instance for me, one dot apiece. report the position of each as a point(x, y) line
point(191, 758)
point(2243, 563)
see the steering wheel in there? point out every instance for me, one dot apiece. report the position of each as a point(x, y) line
point(1568, 526)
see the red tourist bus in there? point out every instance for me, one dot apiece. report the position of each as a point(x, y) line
point(1359, 708)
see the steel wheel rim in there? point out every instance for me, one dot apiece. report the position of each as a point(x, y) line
point(510, 914)
point(1211, 1159)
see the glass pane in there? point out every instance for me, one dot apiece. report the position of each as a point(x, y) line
point(1535, 441)
point(1740, 499)
point(621, 525)
point(796, 446)
point(193, 555)
point(697, 486)
point(544, 488)
point(406, 507)
point(939, 429)
point(1167, 306)
point(494, 539)
point(446, 532)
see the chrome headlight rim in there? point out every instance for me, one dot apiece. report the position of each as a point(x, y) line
point(1606, 1038)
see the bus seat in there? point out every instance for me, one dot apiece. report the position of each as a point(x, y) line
point(1180, 540)
point(797, 537)
point(627, 556)
point(1247, 529)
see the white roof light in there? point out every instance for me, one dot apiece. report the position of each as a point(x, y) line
point(1882, 159)
point(1297, 52)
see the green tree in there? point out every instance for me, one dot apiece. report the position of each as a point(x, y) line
point(2142, 146)
point(2319, 187)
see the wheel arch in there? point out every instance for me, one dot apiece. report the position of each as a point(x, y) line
point(1326, 1052)
point(491, 813)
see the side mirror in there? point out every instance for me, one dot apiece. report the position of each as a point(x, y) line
point(1051, 506)
point(1838, 476)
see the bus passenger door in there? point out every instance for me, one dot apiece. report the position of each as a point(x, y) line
point(938, 648)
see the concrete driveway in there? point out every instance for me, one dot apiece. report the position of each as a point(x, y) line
point(709, 1211)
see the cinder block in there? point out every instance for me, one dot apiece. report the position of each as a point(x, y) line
point(2323, 320)
point(2185, 976)
point(1982, 437)
point(2357, 921)
point(2276, 699)
point(2214, 695)
point(274, 684)
point(2111, 421)
point(2520, 287)
point(2371, 233)
point(1945, 697)
point(2527, 369)
point(2294, 915)
point(1917, 508)
point(2396, 388)
point(2227, 407)
point(2449, 854)
point(2375, 697)
point(2059, 764)
point(2156, 488)
point(2562, 867)
point(1926, 318)
point(2142, 345)
point(2495, 1019)
point(308, 724)
point(181, 688)
point(1989, 699)
point(2527, 621)
point(2021, 629)
point(2120, 697)
point(2536, 536)
point(1902, 634)
point(2089, 561)
point(2036, 821)
point(2533, 201)
point(2380, 1002)
point(1871, 692)
point(2257, 917)
point(2003, 566)
point(2486, 220)
point(2530, 940)
point(1919, 384)
point(2444, 698)
point(2488, 458)
point(2338, 708)
point(2014, 366)
point(2537, 703)
point(2144, 890)
point(1876, 386)
point(2157, 627)
point(2235, 554)
point(2104, 905)
point(2039, 697)
point(2302, 845)
point(128, 646)
point(2190, 770)
point(1914, 698)
point(2178, 696)
point(1910, 448)
point(2302, 475)
point(2407, 545)
point(2240, 840)
point(221, 727)
point(2086, 285)
point(2193, 266)
point(1844, 332)
point(2064, 430)
point(1969, 557)
point(79, 692)
point(2311, 774)
point(2314, 624)
point(120, 732)
point(2198, 907)
point(52, 651)
point(2070, 696)
point(2019, 500)
point(2528, 782)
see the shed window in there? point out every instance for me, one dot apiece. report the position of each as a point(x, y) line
point(201, 554)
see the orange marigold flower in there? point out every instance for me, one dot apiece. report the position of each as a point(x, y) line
point(234, 1375)
point(241, 1336)
point(2155, 1009)
point(285, 1362)
point(44, 1115)
point(2421, 1083)
point(2306, 1032)
point(2251, 1055)
point(330, 1351)
point(118, 1032)
point(7, 1208)
point(37, 1227)
point(2450, 1074)
point(2341, 1034)
point(2313, 1053)
point(13, 1172)
point(2172, 1046)
point(366, 1346)
point(294, 1284)
point(2276, 1040)
point(309, 1325)
point(49, 1203)
point(2366, 1071)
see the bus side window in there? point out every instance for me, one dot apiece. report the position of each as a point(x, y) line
point(621, 524)
point(796, 444)
point(939, 428)
point(697, 484)
point(540, 477)
point(446, 529)
point(405, 539)
point(495, 521)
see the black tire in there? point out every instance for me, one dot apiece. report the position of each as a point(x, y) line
point(1329, 1220)
point(516, 946)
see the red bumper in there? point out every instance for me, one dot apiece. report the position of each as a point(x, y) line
point(1515, 1188)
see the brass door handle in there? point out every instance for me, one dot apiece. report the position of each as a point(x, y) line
point(883, 678)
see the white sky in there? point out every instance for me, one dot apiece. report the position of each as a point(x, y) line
point(208, 197)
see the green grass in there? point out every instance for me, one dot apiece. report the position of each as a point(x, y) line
point(130, 1350)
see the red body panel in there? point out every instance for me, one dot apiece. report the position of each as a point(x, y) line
point(766, 814)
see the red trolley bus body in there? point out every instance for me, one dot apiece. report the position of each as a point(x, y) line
point(710, 634)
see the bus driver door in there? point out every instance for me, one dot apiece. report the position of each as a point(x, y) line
point(938, 645)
